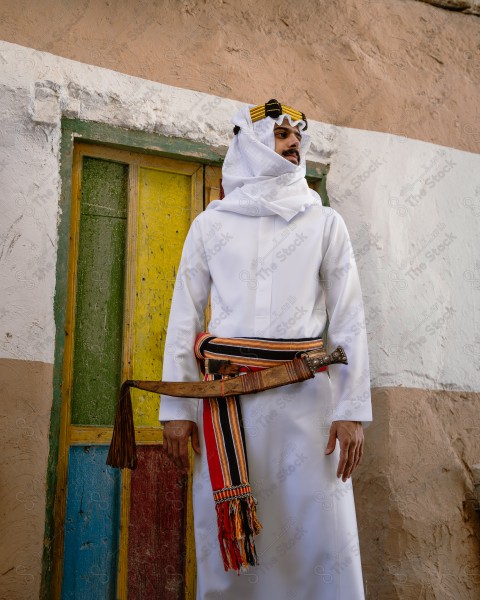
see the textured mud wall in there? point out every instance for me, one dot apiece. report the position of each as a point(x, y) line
point(419, 533)
point(26, 393)
point(398, 66)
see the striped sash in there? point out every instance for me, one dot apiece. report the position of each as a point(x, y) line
point(225, 439)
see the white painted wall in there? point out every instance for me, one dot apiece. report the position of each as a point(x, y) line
point(412, 208)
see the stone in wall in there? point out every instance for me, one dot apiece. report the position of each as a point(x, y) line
point(469, 7)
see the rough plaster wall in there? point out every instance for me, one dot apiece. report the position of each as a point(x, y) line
point(398, 66)
point(413, 210)
point(368, 174)
point(419, 533)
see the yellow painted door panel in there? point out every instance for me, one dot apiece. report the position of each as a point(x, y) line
point(164, 212)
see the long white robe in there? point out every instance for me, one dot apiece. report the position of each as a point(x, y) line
point(273, 277)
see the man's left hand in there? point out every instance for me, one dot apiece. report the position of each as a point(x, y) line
point(350, 436)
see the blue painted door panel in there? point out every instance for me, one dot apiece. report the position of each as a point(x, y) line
point(92, 523)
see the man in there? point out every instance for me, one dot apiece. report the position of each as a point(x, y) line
point(275, 262)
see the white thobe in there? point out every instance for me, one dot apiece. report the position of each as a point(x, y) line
point(269, 277)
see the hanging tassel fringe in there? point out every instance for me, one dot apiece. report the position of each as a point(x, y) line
point(237, 526)
point(123, 452)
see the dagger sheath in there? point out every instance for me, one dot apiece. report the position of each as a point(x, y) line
point(296, 370)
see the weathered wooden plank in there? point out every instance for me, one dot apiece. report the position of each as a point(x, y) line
point(85, 434)
point(91, 525)
point(212, 180)
point(156, 536)
point(99, 300)
point(104, 188)
point(164, 213)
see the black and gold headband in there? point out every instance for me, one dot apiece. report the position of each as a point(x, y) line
point(274, 109)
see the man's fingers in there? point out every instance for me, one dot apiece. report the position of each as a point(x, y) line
point(179, 454)
point(176, 446)
point(342, 460)
point(358, 455)
point(331, 440)
point(174, 450)
point(168, 447)
point(195, 440)
point(354, 461)
point(350, 462)
point(347, 460)
point(183, 453)
point(350, 436)
point(176, 435)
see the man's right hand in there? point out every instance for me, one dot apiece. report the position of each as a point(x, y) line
point(175, 441)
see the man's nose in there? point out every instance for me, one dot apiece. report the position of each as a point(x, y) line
point(293, 141)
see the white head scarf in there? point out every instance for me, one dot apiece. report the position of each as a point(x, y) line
point(259, 182)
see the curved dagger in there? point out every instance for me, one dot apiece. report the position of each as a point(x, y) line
point(298, 369)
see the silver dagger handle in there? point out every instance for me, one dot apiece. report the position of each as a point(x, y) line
point(338, 356)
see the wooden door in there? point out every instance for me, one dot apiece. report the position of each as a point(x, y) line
point(121, 534)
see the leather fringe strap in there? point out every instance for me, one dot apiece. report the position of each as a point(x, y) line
point(122, 453)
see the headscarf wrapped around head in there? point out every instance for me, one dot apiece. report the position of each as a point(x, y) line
point(256, 180)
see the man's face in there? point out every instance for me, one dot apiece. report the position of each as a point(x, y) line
point(287, 141)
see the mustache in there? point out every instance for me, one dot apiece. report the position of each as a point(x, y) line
point(292, 152)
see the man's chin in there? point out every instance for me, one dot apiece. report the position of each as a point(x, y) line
point(293, 159)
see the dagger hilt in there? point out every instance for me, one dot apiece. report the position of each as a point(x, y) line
point(338, 356)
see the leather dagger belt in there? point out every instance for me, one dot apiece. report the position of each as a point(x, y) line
point(293, 371)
